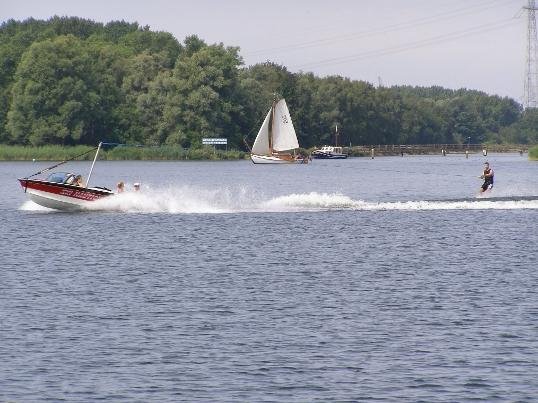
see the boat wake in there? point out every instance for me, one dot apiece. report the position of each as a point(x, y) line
point(316, 201)
point(182, 200)
point(31, 206)
point(192, 200)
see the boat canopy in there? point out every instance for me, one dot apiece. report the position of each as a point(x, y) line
point(61, 177)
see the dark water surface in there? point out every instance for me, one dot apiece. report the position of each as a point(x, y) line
point(223, 281)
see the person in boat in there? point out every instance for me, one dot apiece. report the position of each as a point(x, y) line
point(74, 180)
point(487, 175)
point(120, 187)
point(69, 179)
point(78, 181)
point(302, 158)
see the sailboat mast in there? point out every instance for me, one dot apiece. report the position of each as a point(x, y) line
point(271, 127)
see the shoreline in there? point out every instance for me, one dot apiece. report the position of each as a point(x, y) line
point(168, 153)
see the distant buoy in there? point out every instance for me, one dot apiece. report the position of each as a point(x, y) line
point(466, 154)
point(33, 159)
point(484, 152)
point(373, 153)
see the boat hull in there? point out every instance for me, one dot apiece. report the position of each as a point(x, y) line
point(325, 156)
point(273, 159)
point(61, 196)
point(329, 153)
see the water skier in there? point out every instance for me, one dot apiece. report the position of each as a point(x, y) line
point(487, 175)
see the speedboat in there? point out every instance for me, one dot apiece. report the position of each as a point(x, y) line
point(329, 152)
point(60, 190)
point(57, 193)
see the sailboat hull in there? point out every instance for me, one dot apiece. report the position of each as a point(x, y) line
point(273, 159)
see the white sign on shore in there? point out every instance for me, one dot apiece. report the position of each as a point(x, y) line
point(213, 141)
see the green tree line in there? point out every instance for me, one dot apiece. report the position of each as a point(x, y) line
point(72, 81)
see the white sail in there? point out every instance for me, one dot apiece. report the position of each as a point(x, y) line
point(284, 137)
point(261, 144)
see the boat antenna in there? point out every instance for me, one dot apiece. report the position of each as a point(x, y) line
point(93, 163)
point(60, 163)
point(336, 135)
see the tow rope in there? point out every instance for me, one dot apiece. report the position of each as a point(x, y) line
point(61, 163)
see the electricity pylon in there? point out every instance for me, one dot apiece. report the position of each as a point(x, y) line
point(530, 97)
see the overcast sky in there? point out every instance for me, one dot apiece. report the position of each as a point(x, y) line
point(475, 44)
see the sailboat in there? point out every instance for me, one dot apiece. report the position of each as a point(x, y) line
point(276, 141)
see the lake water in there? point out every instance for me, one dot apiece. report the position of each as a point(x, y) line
point(350, 280)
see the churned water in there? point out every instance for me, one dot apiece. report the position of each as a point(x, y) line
point(351, 280)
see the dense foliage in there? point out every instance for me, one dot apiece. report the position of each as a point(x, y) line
point(164, 152)
point(70, 81)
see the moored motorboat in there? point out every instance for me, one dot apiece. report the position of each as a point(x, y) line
point(329, 152)
point(61, 191)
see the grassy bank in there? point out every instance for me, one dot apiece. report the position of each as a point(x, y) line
point(169, 153)
point(533, 153)
point(60, 153)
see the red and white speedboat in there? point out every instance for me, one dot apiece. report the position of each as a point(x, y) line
point(61, 192)
point(55, 193)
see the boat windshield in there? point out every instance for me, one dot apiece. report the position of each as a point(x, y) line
point(60, 177)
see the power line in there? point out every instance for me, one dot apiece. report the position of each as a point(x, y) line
point(412, 45)
point(383, 30)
